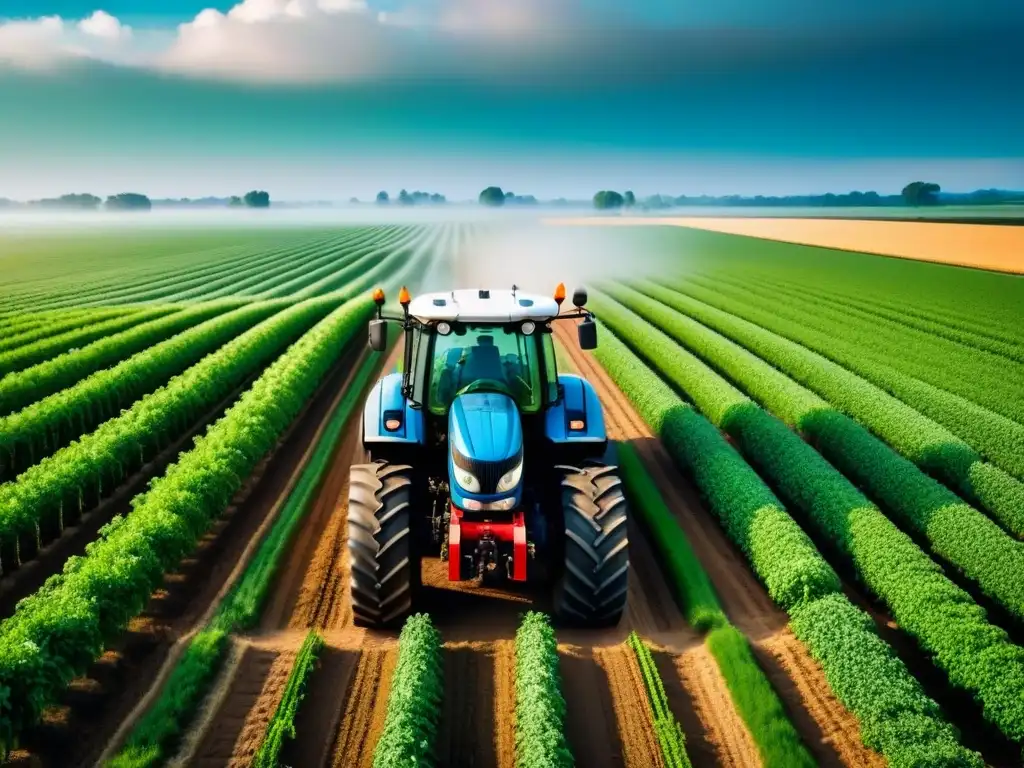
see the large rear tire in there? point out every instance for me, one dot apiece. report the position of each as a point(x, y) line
point(384, 569)
point(591, 590)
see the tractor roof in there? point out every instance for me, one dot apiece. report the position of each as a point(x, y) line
point(483, 306)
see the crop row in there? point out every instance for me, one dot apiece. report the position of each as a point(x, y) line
point(17, 390)
point(38, 326)
point(1000, 439)
point(666, 727)
point(957, 532)
point(414, 701)
point(781, 555)
point(22, 357)
point(751, 692)
point(56, 633)
point(49, 424)
point(539, 706)
point(90, 467)
point(976, 655)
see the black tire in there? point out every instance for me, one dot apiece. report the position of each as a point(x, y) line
point(591, 591)
point(384, 569)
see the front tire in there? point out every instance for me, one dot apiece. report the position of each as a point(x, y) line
point(380, 543)
point(592, 588)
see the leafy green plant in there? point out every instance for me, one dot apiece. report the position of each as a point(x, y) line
point(414, 701)
point(540, 707)
point(670, 734)
point(282, 724)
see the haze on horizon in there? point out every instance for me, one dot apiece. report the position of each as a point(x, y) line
point(330, 99)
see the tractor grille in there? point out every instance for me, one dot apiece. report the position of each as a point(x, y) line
point(487, 472)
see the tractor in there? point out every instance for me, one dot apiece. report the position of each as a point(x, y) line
point(480, 453)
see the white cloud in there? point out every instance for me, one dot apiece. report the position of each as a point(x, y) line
point(102, 24)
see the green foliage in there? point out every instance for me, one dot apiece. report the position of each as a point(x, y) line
point(916, 436)
point(163, 725)
point(128, 201)
point(492, 196)
point(256, 199)
point(540, 707)
point(54, 324)
point(896, 717)
point(668, 730)
point(921, 193)
point(780, 553)
point(56, 633)
point(687, 576)
point(608, 200)
point(22, 357)
point(857, 664)
point(958, 533)
point(756, 701)
point(282, 724)
point(414, 702)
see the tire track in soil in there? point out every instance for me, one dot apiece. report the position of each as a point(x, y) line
point(826, 727)
point(76, 731)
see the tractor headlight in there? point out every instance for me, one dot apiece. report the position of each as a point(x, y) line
point(467, 480)
point(511, 478)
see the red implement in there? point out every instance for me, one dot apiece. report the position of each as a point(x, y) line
point(468, 532)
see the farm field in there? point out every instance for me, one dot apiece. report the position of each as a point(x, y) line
point(822, 453)
point(982, 246)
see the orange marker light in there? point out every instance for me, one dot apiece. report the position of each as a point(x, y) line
point(378, 297)
point(403, 296)
point(560, 293)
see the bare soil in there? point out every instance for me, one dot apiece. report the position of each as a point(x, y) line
point(982, 246)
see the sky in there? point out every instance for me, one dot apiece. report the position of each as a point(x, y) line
point(329, 99)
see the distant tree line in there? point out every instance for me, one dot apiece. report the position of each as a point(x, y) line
point(495, 196)
point(410, 198)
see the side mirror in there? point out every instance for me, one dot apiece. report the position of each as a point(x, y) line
point(588, 334)
point(378, 335)
point(579, 298)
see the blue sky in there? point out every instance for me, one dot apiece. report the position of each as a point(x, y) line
point(325, 99)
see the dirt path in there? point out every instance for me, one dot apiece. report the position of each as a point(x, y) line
point(831, 732)
point(982, 246)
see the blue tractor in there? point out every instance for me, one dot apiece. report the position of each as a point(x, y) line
point(481, 453)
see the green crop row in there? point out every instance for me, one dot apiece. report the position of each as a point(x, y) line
point(414, 701)
point(56, 633)
point(15, 337)
point(38, 498)
point(925, 431)
point(540, 707)
point(782, 555)
point(976, 655)
point(670, 734)
point(19, 358)
point(18, 390)
point(752, 694)
point(860, 668)
point(282, 724)
point(957, 532)
point(52, 422)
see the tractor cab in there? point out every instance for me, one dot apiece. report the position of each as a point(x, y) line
point(484, 434)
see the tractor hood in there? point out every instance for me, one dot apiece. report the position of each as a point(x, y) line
point(486, 438)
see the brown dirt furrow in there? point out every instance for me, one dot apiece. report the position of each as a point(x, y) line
point(468, 732)
point(829, 730)
point(633, 716)
point(242, 719)
point(720, 725)
point(362, 719)
point(503, 704)
point(590, 709)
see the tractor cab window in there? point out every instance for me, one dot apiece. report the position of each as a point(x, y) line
point(499, 358)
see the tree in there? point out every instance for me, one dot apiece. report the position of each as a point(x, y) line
point(257, 199)
point(234, 202)
point(382, 198)
point(128, 201)
point(405, 198)
point(492, 196)
point(607, 200)
point(629, 199)
point(921, 193)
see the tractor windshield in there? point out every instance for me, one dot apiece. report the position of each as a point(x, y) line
point(498, 357)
